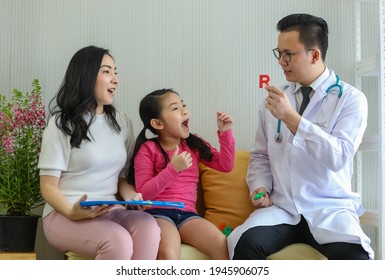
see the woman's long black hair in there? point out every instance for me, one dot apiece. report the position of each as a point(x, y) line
point(150, 108)
point(76, 96)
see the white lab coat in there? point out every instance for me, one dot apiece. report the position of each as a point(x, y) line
point(309, 173)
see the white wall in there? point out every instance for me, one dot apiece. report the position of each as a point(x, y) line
point(211, 51)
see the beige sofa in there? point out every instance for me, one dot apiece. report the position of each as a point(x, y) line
point(223, 199)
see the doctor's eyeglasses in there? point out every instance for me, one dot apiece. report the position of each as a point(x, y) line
point(286, 55)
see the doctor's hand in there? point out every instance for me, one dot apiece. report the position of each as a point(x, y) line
point(262, 202)
point(278, 103)
point(280, 107)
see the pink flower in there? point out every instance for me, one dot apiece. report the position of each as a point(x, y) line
point(22, 121)
point(7, 144)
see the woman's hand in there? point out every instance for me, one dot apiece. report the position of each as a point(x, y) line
point(52, 195)
point(78, 212)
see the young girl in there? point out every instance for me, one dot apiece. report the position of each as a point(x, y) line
point(166, 168)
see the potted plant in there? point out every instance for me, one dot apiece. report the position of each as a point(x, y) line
point(22, 121)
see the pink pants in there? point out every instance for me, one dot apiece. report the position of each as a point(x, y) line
point(118, 235)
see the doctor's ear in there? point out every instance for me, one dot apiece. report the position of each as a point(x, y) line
point(157, 124)
point(316, 56)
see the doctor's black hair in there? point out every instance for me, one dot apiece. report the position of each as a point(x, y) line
point(313, 31)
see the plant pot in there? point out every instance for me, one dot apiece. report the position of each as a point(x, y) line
point(18, 233)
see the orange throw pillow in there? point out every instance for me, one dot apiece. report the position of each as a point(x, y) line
point(226, 195)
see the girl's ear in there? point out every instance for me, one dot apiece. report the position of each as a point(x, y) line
point(157, 124)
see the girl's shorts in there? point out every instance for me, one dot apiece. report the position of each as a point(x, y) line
point(175, 216)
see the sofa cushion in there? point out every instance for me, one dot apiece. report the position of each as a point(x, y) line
point(189, 252)
point(226, 195)
point(297, 251)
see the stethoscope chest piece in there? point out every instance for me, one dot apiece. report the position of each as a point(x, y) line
point(278, 137)
point(278, 134)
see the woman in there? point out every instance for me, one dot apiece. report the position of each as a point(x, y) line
point(85, 150)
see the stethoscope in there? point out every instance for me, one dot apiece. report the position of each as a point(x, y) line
point(278, 134)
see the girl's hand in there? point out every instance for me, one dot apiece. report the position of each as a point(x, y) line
point(128, 192)
point(182, 161)
point(135, 196)
point(224, 121)
point(79, 213)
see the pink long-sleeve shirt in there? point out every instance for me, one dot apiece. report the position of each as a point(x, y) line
point(157, 182)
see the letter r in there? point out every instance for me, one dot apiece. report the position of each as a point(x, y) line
point(264, 79)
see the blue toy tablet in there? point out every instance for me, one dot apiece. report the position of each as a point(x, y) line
point(134, 202)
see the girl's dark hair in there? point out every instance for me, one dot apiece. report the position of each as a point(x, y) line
point(313, 31)
point(76, 96)
point(150, 108)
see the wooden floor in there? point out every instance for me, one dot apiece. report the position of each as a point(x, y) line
point(17, 256)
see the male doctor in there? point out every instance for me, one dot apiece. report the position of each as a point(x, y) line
point(303, 163)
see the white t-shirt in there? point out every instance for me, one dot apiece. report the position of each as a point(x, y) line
point(95, 167)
